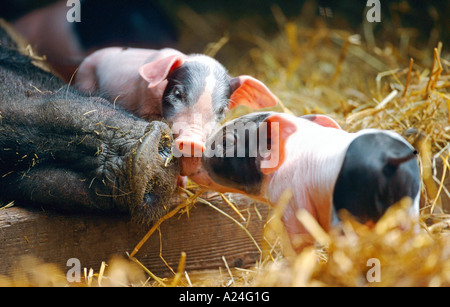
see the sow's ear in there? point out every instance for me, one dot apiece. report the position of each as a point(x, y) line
point(279, 128)
point(157, 71)
point(322, 120)
point(250, 92)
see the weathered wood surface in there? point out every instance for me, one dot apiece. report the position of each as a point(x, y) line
point(205, 235)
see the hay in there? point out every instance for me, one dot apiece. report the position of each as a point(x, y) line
point(407, 256)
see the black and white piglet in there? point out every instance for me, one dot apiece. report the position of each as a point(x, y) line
point(327, 168)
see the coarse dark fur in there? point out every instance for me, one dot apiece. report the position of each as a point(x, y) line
point(61, 149)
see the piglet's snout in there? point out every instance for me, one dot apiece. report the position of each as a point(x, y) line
point(190, 147)
point(190, 141)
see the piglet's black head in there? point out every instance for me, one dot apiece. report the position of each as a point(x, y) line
point(378, 171)
point(230, 160)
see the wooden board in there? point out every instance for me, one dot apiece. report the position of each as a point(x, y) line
point(206, 235)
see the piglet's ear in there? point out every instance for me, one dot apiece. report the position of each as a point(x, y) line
point(250, 92)
point(322, 120)
point(279, 128)
point(157, 71)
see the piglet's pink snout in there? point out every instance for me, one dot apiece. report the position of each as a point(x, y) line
point(190, 146)
point(189, 139)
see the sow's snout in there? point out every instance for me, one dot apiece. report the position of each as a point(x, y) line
point(379, 169)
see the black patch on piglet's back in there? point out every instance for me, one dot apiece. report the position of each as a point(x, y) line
point(370, 180)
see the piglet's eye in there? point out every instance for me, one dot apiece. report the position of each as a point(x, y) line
point(229, 139)
point(178, 94)
point(221, 111)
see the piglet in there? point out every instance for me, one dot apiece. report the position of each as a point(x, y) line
point(192, 92)
point(327, 168)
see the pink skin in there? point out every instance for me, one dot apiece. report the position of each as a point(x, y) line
point(313, 168)
point(116, 70)
point(190, 142)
